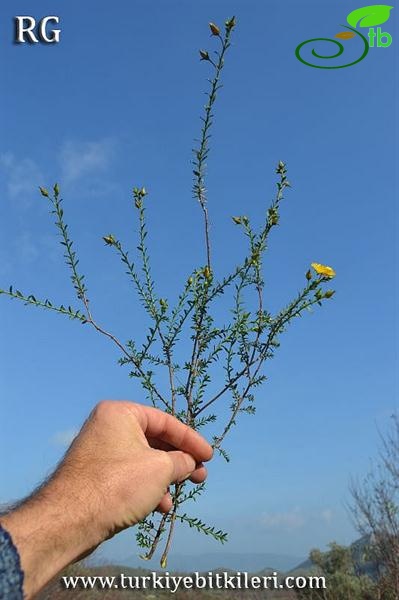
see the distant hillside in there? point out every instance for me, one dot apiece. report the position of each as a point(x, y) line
point(358, 549)
point(251, 562)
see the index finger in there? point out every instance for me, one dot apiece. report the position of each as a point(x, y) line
point(158, 424)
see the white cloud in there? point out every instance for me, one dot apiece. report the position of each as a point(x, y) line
point(23, 176)
point(286, 521)
point(77, 159)
point(64, 438)
point(295, 519)
point(80, 158)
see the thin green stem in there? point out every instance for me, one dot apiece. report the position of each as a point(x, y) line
point(202, 152)
point(32, 300)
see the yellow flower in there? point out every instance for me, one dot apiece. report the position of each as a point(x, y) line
point(324, 270)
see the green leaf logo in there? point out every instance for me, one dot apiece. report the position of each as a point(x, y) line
point(368, 16)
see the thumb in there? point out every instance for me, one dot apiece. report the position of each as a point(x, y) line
point(183, 465)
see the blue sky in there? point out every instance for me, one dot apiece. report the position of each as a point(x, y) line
point(116, 104)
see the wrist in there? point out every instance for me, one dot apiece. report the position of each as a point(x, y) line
point(51, 530)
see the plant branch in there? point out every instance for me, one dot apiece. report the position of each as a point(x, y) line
point(202, 152)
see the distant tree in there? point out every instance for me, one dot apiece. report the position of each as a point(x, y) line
point(342, 580)
point(376, 512)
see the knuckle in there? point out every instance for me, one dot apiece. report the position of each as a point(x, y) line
point(104, 408)
point(190, 462)
point(165, 462)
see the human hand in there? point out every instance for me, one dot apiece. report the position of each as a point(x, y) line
point(116, 471)
point(127, 455)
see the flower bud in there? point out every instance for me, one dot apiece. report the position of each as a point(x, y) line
point(230, 23)
point(329, 293)
point(309, 275)
point(204, 55)
point(44, 192)
point(214, 29)
point(237, 220)
point(56, 189)
point(281, 168)
point(139, 192)
point(273, 216)
point(255, 258)
point(207, 272)
point(163, 304)
point(109, 240)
